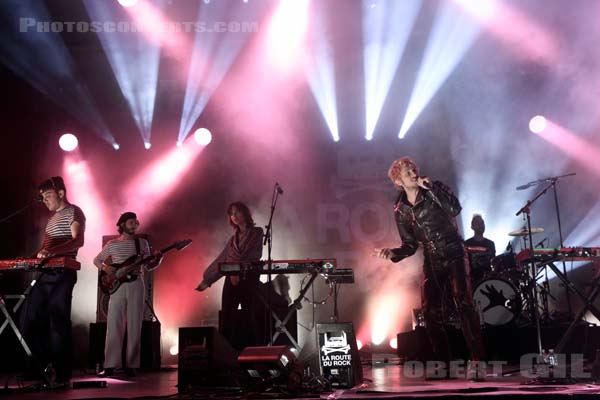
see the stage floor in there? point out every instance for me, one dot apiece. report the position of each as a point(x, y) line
point(387, 381)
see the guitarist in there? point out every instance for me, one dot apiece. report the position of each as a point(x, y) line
point(126, 304)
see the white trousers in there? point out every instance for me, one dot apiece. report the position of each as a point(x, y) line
point(125, 310)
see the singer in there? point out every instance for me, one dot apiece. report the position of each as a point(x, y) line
point(244, 245)
point(425, 214)
point(46, 314)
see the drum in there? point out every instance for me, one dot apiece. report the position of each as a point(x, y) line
point(497, 301)
point(504, 262)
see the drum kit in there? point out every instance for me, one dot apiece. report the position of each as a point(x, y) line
point(502, 287)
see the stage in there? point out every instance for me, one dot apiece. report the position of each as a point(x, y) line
point(383, 380)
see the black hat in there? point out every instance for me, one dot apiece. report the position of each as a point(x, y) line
point(125, 216)
point(55, 182)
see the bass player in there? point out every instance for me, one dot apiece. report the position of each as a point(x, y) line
point(126, 304)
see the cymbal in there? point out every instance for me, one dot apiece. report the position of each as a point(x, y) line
point(525, 232)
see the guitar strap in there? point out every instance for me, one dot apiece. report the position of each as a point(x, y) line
point(137, 246)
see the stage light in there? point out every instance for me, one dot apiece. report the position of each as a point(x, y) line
point(386, 30)
point(84, 192)
point(179, 143)
point(285, 33)
point(146, 192)
point(394, 343)
point(212, 55)
point(68, 142)
point(147, 145)
point(116, 146)
point(174, 350)
point(202, 136)
point(452, 35)
point(128, 3)
point(134, 56)
point(43, 60)
point(537, 124)
point(359, 344)
point(321, 78)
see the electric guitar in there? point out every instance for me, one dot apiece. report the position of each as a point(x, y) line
point(109, 283)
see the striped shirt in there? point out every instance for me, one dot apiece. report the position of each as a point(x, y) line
point(58, 228)
point(120, 250)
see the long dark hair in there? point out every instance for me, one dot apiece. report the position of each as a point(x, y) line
point(245, 212)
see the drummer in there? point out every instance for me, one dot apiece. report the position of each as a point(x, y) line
point(481, 250)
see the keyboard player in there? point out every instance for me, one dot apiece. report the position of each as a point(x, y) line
point(45, 319)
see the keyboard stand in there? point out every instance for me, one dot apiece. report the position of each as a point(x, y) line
point(280, 324)
point(588, 301)
point(9, 321)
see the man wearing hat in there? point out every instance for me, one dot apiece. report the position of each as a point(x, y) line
point(126, 304)
point(46, 314)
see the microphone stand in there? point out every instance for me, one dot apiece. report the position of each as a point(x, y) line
point(553, 180)
point(19, 211)
point(527, 210)
point(268, 240)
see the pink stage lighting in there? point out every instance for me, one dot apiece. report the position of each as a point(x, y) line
point(286, 32)
point(394, 343)
point(537, 124)
point(128, 3)
point(359, 344)
point(202, 136)
point(68, 142)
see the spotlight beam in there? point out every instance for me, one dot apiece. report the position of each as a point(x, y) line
point(386, 29)
point(133, 60)
point(42, 60)
point(452, 35)
point(321, 79)
point(212, 56)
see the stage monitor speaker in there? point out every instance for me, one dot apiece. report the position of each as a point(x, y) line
point(206, 359)
point(102, 303)
point(338, 355)
point(150, 351)
point(266, 362)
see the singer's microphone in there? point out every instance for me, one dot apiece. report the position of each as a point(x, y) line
point(523, 187)
point(279, 188)
point(426, 183)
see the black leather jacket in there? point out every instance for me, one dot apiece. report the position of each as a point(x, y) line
point(430, 222)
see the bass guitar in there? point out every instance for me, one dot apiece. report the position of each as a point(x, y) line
point(109, 283)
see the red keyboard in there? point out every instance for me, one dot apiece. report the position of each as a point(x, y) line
point(40, 263)
point(560, 254)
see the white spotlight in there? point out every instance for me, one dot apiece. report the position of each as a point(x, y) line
point(68, 142)
point(394, 343)
point(116, 146)
point(203, 136)
point(537, 124)
point(359, 344)
point(179, 143)
point(147, 145)
point(128, 3)
point(173, 350)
